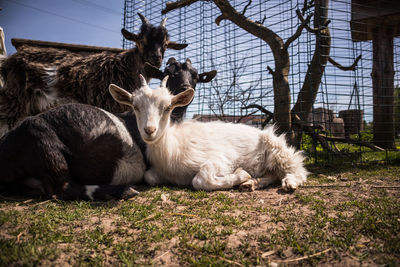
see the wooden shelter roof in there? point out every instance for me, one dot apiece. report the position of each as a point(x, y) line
point(368, 16)
point(17, 43)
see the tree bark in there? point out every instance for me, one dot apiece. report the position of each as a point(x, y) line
point(383, 88)
point(312, 81)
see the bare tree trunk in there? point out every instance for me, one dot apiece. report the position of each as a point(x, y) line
point(383, 88)
point(312, 81)
point(282, 63)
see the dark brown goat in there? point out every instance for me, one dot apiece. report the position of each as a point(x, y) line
point(33, 85)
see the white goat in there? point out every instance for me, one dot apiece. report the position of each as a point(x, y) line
point(208, 155)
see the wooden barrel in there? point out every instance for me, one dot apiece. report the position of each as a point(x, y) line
point(353, 120)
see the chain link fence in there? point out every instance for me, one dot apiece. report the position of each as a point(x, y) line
point(344, 107)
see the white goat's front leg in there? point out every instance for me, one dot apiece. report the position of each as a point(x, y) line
point(152, 178)
point(259, 183)
point(284, 160)
point(208, 178)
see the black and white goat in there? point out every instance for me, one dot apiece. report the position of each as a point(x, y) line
point(78, 151)
point(33, 85)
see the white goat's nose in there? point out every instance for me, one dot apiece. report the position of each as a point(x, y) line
point(149, 130)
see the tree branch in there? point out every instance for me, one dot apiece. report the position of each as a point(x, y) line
point(169, 6)
point(345, 68)
point(308, 28)
point(269, 114)
point(304, 23)
point(245, 8)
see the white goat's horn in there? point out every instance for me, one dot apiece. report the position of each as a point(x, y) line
point(144, 19)
point(164, 82)
point(162, 24)
point(142, 80)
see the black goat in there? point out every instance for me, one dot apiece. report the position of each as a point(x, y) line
point(181, 77)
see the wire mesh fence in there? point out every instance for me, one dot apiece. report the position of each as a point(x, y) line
point(344, 107)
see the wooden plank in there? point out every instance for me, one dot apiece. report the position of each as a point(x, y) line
point(18, 42)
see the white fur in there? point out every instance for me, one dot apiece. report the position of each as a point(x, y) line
point(212, 155)
point(90, 189)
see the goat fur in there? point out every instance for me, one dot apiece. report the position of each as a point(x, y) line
point(208, 155)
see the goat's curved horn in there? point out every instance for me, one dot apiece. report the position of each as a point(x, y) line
point(142, 80)
point(162, 24)
point(144, 19)
point(164, 81)
point(171, 60)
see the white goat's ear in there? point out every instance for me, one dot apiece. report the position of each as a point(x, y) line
point(142, 80)
point(164, 82)
point(183, 99)
point(120, 95)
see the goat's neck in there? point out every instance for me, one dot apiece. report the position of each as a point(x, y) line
point(167, 144)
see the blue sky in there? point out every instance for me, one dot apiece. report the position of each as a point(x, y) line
point(90, 22)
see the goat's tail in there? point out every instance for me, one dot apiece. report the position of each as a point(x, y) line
point(283, 159)
point(72, 191)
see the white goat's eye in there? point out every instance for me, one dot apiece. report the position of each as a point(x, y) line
point(135, 108)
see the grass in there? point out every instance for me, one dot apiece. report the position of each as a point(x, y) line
point(353, 220)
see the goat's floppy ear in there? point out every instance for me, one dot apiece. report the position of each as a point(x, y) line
point(176, 46)
point(206, 77)
point(129, 36)
point(120, 95)
point(183, 99)
point(153, 72)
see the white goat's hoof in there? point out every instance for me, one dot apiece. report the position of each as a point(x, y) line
point(290, 182)
point(248, 186)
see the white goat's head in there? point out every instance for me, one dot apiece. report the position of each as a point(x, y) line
point(152, 107)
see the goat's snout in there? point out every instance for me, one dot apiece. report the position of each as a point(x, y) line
point(149, 130)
